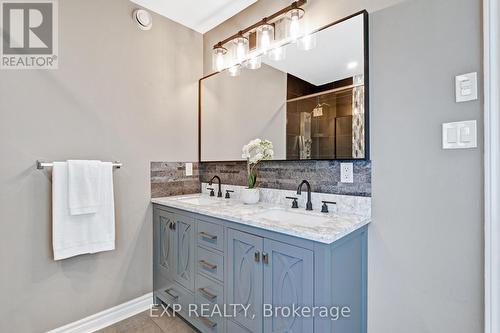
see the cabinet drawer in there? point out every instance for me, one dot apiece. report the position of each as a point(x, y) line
point(211, 325)
point(211, 235)
point(210, 264)
point(173, 293)
point(208, 291)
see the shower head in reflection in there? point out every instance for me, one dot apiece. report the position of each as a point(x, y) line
point(318, 109)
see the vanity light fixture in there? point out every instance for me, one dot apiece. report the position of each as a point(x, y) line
point(240, 49)
point(265, 36)
point(295, 14)
point(247, 47)
point(219, 58)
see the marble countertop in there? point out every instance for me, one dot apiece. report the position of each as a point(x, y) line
point(316, 226)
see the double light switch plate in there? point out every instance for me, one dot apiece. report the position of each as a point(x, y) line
point(460, 135)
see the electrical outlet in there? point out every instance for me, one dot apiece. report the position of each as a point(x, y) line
point(346, 173)
point(189, 169)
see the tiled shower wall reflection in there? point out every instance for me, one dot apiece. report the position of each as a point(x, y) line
point(168, 178)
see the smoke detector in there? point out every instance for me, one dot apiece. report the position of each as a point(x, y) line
point(143, 19)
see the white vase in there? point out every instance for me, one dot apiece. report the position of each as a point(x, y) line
point(250, 196)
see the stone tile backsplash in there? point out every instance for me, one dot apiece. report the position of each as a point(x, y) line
point(324, 176)
point(169, 178)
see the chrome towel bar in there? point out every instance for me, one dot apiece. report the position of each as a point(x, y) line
point(40, 165)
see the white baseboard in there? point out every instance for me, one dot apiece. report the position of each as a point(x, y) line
point(108, 317)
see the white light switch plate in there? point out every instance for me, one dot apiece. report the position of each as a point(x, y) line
point(346, 173)
point(189, 169)
point(460, 135)
point(466, 87)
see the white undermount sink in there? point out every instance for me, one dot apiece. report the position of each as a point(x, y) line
point(288, 217)
point(199, 201)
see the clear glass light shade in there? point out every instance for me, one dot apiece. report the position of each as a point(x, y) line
point(218, 59)
point(277, 54)
point(254, 62)
point(234, 70)
point(295, 26)
point(265, 37)
point(240, 49)
point(306, 43)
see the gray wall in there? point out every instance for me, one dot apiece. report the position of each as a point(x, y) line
point(426, 245)
point(119, 94)
point(426, 242)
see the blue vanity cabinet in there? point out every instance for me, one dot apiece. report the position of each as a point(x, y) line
point(174, 250)
point(204, 260)
point(244, 283)
point(263, 271)
point(163, 238)
point(288, 279)
point(184, 247)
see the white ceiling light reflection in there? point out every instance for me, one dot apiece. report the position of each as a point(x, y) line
point(352, 65)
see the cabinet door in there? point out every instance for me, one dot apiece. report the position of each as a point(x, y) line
point(244, 278)
point(184, 251)
point(288, 281)
point(164, 243)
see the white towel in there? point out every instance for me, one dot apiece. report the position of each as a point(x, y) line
point(84, 184)
point(73, 235)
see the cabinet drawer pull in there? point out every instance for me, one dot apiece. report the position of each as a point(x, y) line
point(208, 265)
point(265, 258)
point(208, 322)
point(207, 294)
point(208, 236)
point(257, 256)
point(171, 294)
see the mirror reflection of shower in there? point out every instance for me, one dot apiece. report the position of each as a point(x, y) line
point(325, 121)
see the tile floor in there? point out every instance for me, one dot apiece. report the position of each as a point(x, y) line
point(143, 323)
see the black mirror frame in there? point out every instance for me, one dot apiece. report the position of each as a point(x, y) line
point(366, 48)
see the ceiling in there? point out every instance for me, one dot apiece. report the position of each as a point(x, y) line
point(337, 47)
point(199, 15)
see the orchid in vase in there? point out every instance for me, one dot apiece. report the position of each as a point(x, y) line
point(254, 152)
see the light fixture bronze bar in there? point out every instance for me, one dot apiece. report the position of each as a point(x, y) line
point(296, 4)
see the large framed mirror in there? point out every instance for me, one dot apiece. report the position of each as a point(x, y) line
point(312, 104)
